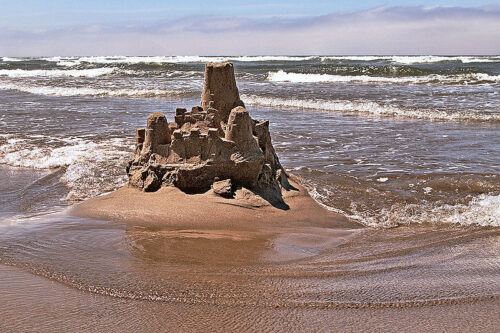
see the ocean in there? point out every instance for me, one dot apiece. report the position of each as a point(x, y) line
point(408, 147)
point(384, 140)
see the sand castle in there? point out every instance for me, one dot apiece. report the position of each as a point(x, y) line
point(214, 146)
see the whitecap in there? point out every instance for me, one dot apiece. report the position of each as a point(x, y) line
point(95, 72)
point(368, 108)
point(282, 76)
point(90, 167)
point(421, 59)
point(72, 61)
point(83, 91)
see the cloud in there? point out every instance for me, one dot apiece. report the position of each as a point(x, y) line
point(382, 30)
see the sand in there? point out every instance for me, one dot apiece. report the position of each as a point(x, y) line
point(172, 208)
point(158, 264)
point(54, 307)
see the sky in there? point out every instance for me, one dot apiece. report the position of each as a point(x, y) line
point(257, 27)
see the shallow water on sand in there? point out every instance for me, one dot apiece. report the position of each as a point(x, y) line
point(308, 267)
point(54, 307)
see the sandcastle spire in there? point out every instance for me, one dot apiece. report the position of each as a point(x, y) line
point(220, 88)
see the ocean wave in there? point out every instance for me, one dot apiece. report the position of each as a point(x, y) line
point(469, 78)
point(408, 60)
point(73, 61)
point(421, 59)
point(94, 72)
point(461, 199)
point(95, 92)
point(91, 168)
point(369, 108)
point(483, 210)
point(9, 59)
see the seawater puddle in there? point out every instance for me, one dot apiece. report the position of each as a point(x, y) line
point(310, 267)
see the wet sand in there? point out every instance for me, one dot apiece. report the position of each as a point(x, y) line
point(30, 303)
point(168, 261)
point(170, 207)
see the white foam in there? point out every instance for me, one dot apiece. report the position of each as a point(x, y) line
point(81, 91)
point(8, 59)
point(95, 72)
point(369, 108)
point(483, 210)
point(91, 167)
point(72, 61)
point(408, 60)
point(282, 76)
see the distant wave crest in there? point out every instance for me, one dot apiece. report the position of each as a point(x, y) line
point(422, 59)
point(19, 73)
point(408, 60)
point(370, 108)
point(469, 78)
point(96, 92)
point(72, 61)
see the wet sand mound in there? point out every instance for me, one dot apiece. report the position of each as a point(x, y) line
point(171, 207)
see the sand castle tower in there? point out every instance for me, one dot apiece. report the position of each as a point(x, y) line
point(219, 89)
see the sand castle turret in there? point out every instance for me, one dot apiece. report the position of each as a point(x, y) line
point(219, 89)
point(215, 142)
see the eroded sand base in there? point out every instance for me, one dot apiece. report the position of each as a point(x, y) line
point(170, 207)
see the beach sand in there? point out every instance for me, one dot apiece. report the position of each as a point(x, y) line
point(171, 261)
point(34, 304)
point(172, 208)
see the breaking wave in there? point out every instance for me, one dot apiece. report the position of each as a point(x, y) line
point(469, 78)
point(406, 200)
point(95, 92)
point(407, 60)
point(483, 210)
point(91, 168)
point(369, 108)
point(94, 72)
point(72, 61)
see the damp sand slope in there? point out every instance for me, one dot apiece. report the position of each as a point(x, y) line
point(170, 207)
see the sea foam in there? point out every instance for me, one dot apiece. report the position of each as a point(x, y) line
point(282, 76)
point(482, 210)
point(95, 92)
point(368, 108)
point(91, 168)
point(422, 59)
point(408, 60)
point(73, 61)
point(94, 72)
